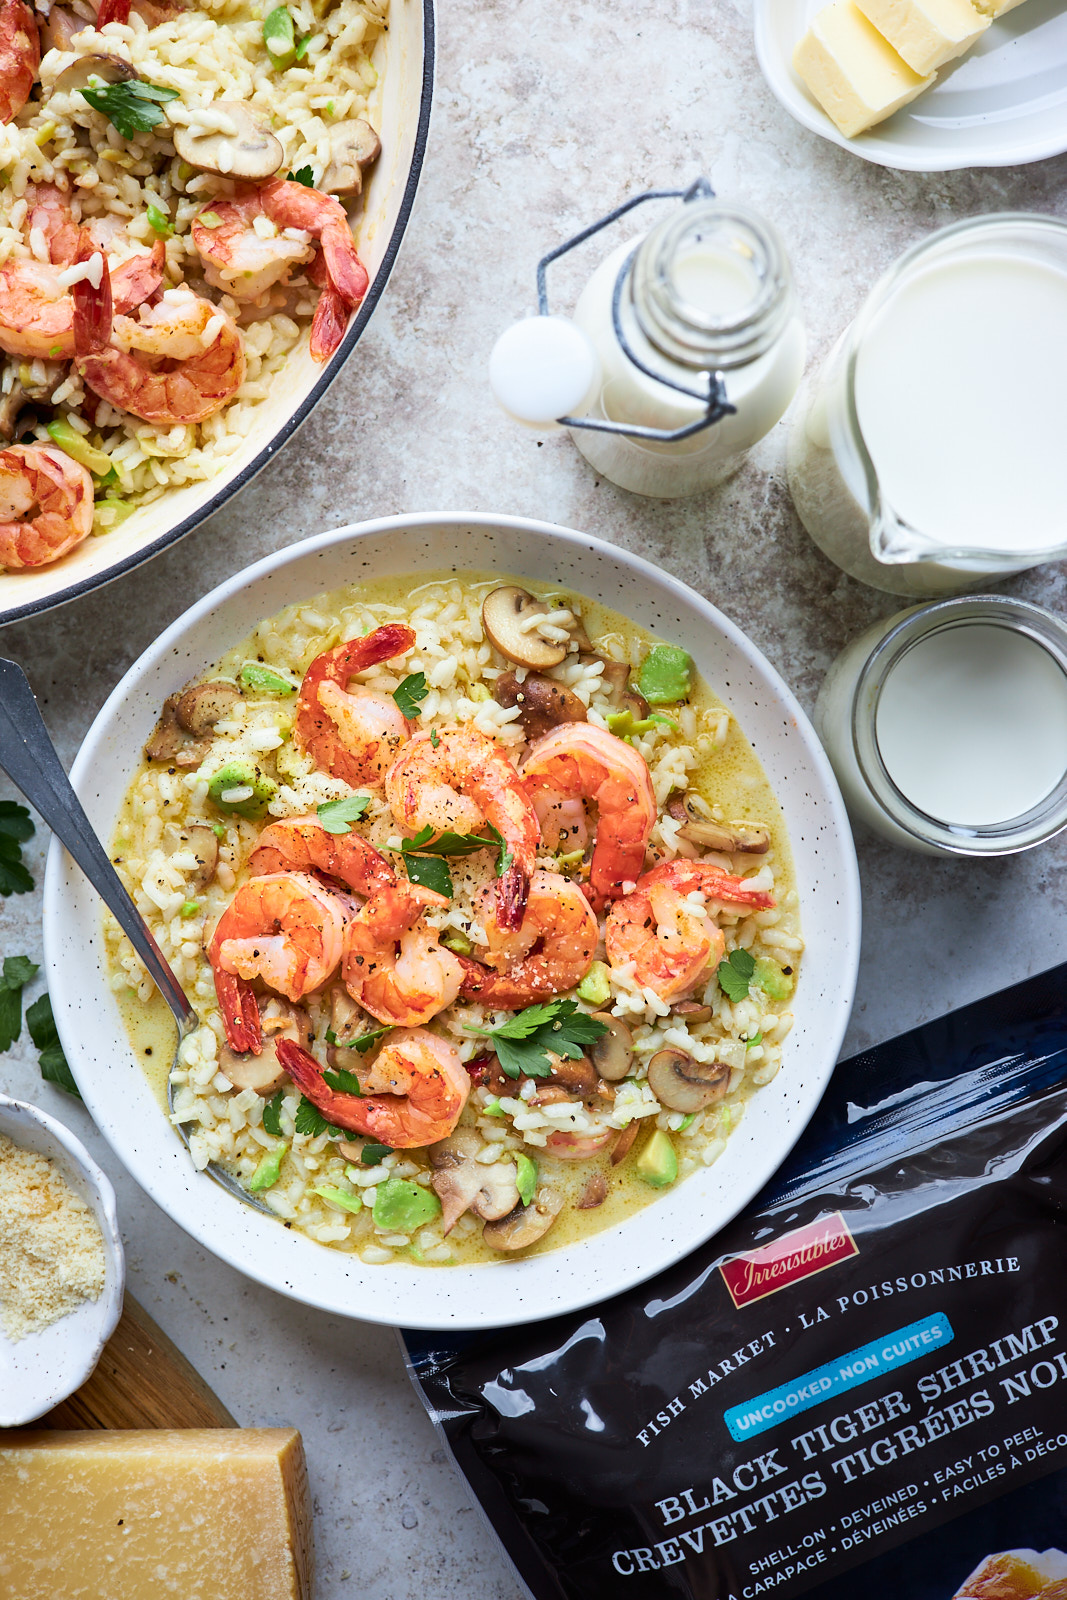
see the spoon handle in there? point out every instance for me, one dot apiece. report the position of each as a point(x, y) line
point(28, 757)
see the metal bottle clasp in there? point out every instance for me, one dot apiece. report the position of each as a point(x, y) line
point(712, 396)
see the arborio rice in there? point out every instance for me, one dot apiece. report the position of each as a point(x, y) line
point(69, 173)
point(330, 1188)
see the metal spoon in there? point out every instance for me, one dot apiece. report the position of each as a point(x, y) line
point(29, 758)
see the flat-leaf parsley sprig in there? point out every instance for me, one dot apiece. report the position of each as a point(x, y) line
point(522, 1044)
point(131, 107)
point(408, 694)
point(16, 826)
point(423, 855)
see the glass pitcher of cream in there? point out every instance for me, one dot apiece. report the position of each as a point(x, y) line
point(929, 454)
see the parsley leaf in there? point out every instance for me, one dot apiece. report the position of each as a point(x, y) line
point(303, 175)
point(131, 107)
point(408, 694)
point(434, 740)
point(337, 816)
point(18, 970)
point(735, 974)
point(523, 1042)
point(430, 872)
point(371, 1154)
point(45, 1035)
point(343, 1081)
point(362, 1044)
point(15, 827)
point(272, 1115)
point(310, 1120)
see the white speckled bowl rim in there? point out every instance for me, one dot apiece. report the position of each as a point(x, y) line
point(511, 1291)
point(42, 1369)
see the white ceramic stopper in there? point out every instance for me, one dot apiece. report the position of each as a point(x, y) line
point(542, 368)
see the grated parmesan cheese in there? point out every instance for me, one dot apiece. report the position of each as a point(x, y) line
point(51, 1247)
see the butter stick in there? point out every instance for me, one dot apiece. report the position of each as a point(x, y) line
point(996, 8)
point(204, 1514)
point(926, 33)
point(854, 74)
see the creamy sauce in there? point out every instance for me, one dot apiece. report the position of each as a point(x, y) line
point(730, 778)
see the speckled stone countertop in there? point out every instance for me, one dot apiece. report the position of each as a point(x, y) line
point(547, 115)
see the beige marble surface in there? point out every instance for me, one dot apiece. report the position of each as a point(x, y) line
point(547, 114)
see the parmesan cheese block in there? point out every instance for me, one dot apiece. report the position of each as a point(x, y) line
point(926, 33)
point(201, 1514)
point(996, 8)
point(854, 74)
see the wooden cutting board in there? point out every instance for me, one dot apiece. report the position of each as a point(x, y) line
point(142, 1381)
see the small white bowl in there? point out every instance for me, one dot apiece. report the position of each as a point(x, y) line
point(111, 1078)
point(42, 1369)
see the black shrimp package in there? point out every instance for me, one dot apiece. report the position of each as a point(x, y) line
point(859, 1388)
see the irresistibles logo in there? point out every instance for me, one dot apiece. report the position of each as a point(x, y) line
point(795, 1255)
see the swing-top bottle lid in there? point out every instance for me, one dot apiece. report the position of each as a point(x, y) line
point(542, 368)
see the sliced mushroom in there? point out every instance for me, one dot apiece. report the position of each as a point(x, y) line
point(109, 69)
point(635, 704)
point(624, 1143)
point(526, 1224)
point(692, 1011)
point(12, 403)
point(594, 1194)
point(204, 843)
point(545, 703)
point(504, 612)
point(200, 707)
point(748, 838)
point(616, 679)
point(463, 1184)
point(577, 1077)
point(264, 1073)
point(682, 1084)
point(251, 151)
point(613, 1053)
point(170, 742)
point(346, 1021)
point(353, 146)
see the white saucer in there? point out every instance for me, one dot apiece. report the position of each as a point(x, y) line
point(1001, 105)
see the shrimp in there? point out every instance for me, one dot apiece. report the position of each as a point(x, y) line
point(243, 263)
point(457, 779)
point(579, 759)
point(547, 955)
point(301, 844)
point(286, 929)
point(46, 505)
point(184, 358)
point(413, 1093)
point(20, 56)
point(403, 988)
point(670, 941)
point(37, 313)
point(352, 734)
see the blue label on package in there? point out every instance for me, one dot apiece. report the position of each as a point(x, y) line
point(859, 1366)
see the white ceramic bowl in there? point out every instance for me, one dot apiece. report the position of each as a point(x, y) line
point(118, 1095)
point(1002, 104)
point(42, 1369)
point(404, 57)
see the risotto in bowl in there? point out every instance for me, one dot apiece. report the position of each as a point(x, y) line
point(516, 975)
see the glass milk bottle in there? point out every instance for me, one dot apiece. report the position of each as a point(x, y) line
point(927, 456)
point(692, 330)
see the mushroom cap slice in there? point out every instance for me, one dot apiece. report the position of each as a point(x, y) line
point(504, 611)
point(200, 707)
point(204, 843)
point(526, 1224)
point(251, 151)
point(264, 1073)
point(353, 146)
point(613, 1053)
point(735, 838)
point(171, 742)
point(544, 703)
point(682, 1084)
point(462, 1183)
point(109, 69)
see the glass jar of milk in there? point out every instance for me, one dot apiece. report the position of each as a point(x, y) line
point(709, 290)
point(947, 726)
point(928, 454)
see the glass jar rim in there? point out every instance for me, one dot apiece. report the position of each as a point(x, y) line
point(1044, 820)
